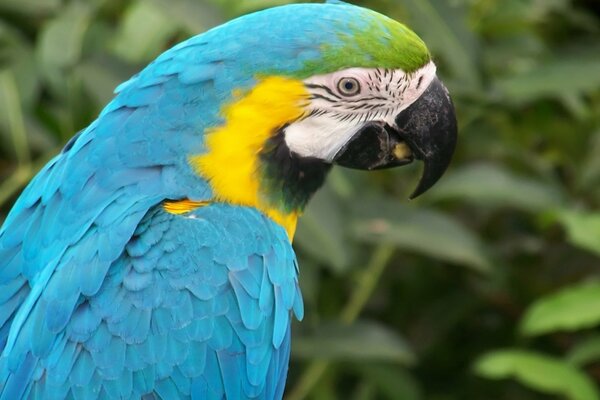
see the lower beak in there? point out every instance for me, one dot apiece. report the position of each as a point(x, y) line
point(426, 130)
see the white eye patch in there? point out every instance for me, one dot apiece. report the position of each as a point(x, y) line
point(341, 102)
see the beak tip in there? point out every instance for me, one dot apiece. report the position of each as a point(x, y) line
point(431, 121)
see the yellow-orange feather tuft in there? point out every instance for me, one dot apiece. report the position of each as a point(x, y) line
point(230, 162)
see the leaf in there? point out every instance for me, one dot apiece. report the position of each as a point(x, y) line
point(192, 15)
point(144, 32)
point(573, 308)
point(61, 40)
point(393, 382)
point(16, 54)
point(247, 6)
point(321, 231)
point(30, 7)
point(492, 185)
point(583, 228)
point(556, 78)
point(443, 27)
point(425, 231)
point(11, 116)
point(540, 372)
point(360, 341)
point(585, 352)
point(588, 175)
point(101, 77)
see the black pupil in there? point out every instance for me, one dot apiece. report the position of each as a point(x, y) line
point(349, 85)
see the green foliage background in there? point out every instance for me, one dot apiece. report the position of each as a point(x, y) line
point(491, 275)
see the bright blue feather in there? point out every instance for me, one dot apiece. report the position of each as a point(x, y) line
point(102, 293)
point(227, 340)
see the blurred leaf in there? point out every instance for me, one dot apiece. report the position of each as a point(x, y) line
point(321, 231)
point(101, 77)
point(360, 341)
point(247, 6)
point(11, 116)
point(553, 78)
point(144, 32)
point(194, 16)
point(60, 44)
point(16, 54)
point(585, 352)
point(539, 372)
point(31, 7)
point(575, 307)
point(583, 228)
point(340, 183)
point(589, 174)
point(393, 382)
point(493, 185)
point(442, 25)
point(425, 231)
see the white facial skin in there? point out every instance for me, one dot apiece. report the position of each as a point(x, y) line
point(343, 101)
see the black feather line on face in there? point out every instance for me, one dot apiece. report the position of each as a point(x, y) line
point(322, 97)
point(325, 88)
point(384, 88)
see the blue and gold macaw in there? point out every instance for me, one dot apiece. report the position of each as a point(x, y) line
point(152, 258)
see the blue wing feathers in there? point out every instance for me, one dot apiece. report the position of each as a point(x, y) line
point(149, 331)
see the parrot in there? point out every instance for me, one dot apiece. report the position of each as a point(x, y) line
point(152, 258)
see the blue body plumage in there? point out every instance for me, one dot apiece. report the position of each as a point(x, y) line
point(103, 293)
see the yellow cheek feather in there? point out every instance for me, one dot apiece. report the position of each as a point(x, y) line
point(230, 163)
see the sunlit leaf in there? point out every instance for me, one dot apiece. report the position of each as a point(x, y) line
point(583, 228)
point(360, 341)
point(539, 372)
point(573, 308)
point(425, 231)
point(493, 185)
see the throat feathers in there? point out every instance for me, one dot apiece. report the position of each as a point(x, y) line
point(246, 155)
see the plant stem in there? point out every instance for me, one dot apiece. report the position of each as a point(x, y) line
point(367, 284)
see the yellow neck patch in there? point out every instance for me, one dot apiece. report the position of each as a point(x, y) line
point(230, 163)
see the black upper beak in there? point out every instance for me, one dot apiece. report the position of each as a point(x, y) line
point(426, 130)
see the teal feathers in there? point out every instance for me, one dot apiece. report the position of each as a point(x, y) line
point(103, 295)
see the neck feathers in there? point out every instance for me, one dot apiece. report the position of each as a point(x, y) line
point(289, 179)
point(246, 160)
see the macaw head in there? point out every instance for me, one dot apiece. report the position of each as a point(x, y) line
point(302, 87)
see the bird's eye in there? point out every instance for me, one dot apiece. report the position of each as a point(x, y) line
point(348, 86)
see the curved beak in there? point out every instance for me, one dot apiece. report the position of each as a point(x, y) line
point(426, 130)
